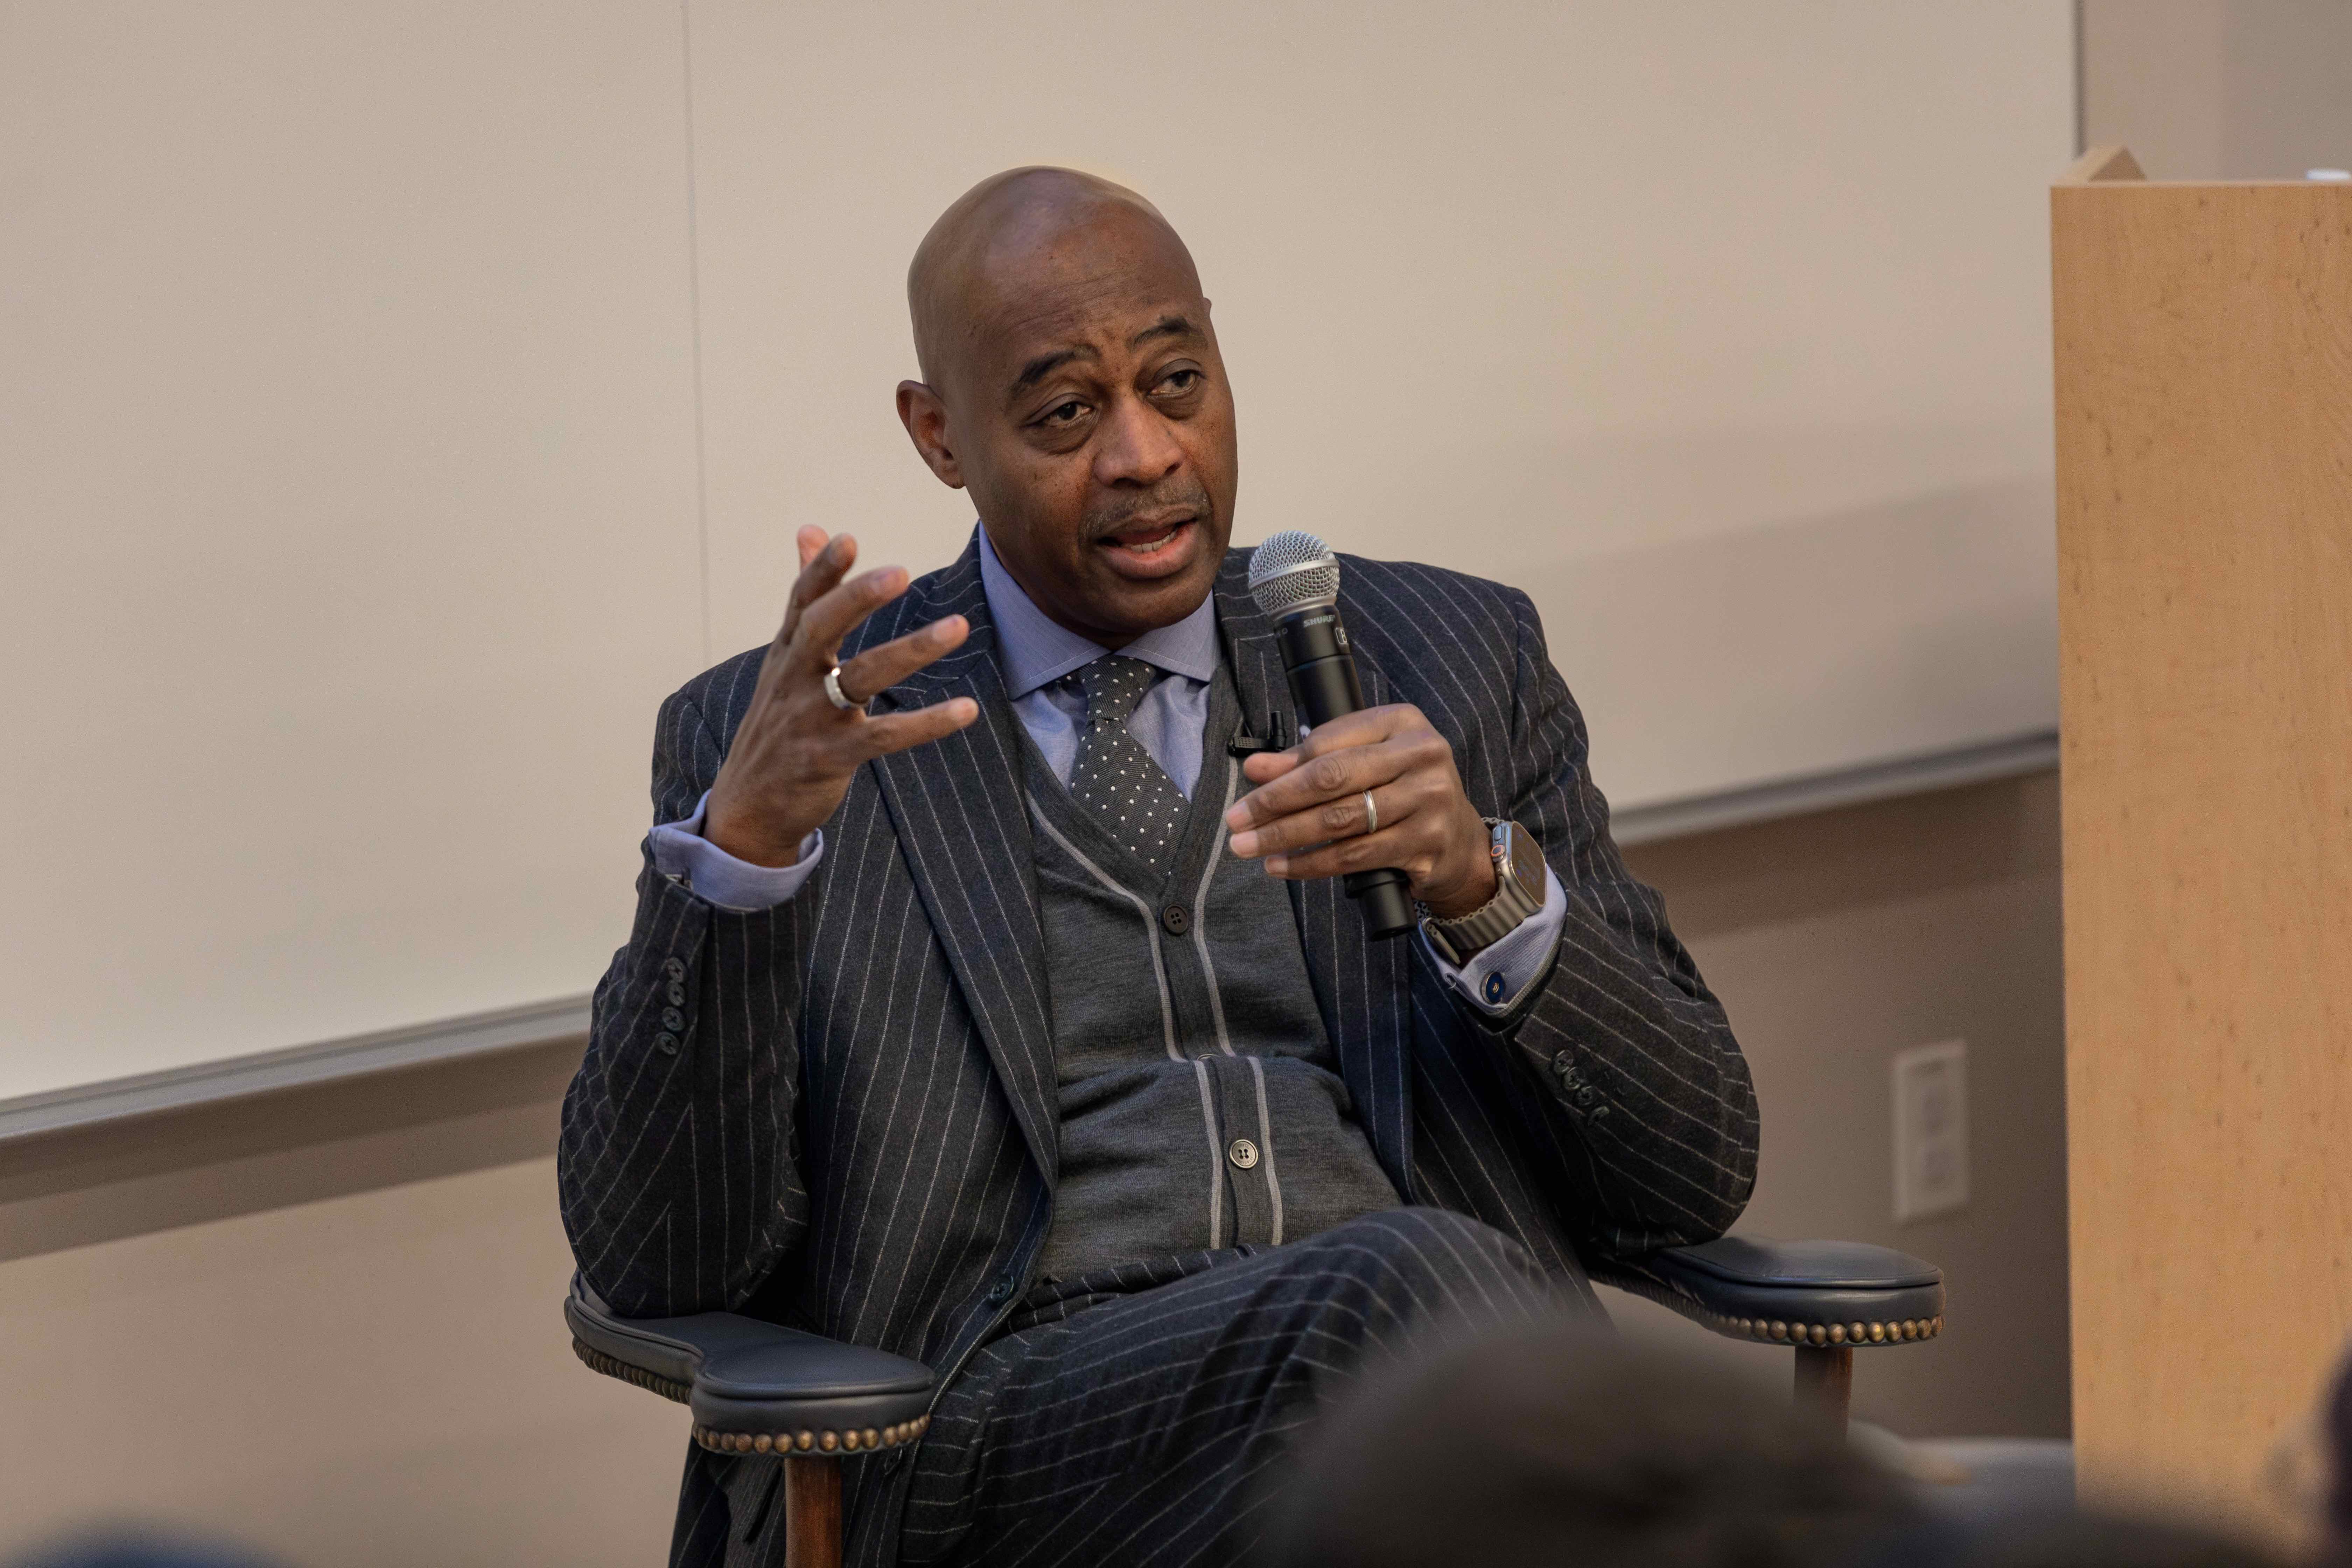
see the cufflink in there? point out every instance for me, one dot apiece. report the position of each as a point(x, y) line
point(1493, 989)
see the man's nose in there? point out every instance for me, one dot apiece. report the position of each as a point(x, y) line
point(1135, 447)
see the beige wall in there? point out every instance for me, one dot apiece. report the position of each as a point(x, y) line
point(327, 1321)
point(2220, 89)
point(1837, 940)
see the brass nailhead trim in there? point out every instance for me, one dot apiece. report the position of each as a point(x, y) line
point(1904, 1332)
point(597, 1361)
point(854, 1440)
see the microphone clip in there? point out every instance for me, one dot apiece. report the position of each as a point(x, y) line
point(1244, 744)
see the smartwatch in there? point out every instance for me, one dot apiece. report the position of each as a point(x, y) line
point(1519, 893)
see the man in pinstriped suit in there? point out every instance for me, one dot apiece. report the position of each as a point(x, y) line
point(992, 998)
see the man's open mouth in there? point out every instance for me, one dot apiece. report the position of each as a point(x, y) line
point(1146, 541)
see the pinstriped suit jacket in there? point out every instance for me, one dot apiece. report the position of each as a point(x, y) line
point(854, 1127)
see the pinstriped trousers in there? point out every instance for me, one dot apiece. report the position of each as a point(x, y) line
point(1148, 1428)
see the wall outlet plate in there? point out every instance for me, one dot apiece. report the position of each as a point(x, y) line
point(1931, 1131)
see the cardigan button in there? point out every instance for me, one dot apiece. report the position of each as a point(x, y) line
point(1176, 919)
point(1243, 1153)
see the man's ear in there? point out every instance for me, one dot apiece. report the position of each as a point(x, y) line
point(926, 419)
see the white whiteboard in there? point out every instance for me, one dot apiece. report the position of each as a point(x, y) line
point(347, 513)
point(394, 402)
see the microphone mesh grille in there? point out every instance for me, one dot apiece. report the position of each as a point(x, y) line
point(1293, 569)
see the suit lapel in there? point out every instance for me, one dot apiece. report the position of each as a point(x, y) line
point(1362, 988)
point(956, 804)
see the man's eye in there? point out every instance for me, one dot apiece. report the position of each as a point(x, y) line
point(1064, 414)
point(1179, 382)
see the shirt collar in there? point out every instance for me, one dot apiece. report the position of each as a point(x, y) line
point(1034, 650)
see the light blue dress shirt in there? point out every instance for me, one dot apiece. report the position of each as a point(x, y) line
point(1034, 652)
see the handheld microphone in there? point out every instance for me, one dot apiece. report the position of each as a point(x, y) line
point(1295, 579)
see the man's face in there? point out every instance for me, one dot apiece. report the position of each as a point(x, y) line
point(1088, 414)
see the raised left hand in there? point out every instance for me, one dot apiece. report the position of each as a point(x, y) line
point(1307, 818)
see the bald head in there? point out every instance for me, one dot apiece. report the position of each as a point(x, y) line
point(1020, 231)
point(1072, 385)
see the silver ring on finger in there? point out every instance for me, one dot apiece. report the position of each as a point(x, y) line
point(832, 691)
point(1371, 814)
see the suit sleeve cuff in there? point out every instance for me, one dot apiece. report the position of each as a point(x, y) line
point(1495, 975)
point(683, 855)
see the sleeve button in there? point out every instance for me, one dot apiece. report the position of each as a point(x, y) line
point(666, 1043)
point(677, 994)
point(675, 968)
point(673, 1019)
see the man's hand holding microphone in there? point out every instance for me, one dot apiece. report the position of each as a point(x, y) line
point(1375, 788)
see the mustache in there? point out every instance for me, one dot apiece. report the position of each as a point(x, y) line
point(1117, 515)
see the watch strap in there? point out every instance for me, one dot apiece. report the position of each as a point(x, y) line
point(1459, 939)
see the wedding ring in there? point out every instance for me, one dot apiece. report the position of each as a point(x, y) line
point(1371, 814)
point(833, 692)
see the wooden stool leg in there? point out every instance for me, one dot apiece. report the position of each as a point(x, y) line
point(812, 1512)
point(1825, 1383)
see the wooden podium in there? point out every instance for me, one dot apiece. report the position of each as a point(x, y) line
point(2204, 410)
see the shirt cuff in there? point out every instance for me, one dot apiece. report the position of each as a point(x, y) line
point(1497, 972)
point(683, 855)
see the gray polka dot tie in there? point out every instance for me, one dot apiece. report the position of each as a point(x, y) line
point(1114, 777)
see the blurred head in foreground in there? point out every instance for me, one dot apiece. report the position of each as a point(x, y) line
point(2336, 1442)
point(1565, 1445)
point(2082, 1541)
point(1554, 1445)
point(131, 1548)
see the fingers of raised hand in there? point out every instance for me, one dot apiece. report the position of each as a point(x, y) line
point(878, 669)
point(903, 732)
point(835, 613)
point(822, 561)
